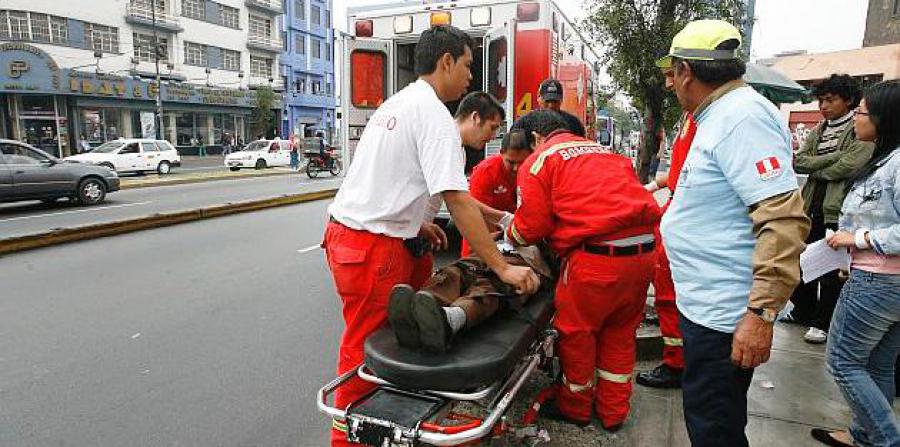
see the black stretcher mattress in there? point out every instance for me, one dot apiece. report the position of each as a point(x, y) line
point(477, 358)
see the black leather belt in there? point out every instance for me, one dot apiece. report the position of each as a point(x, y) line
point(626, 250)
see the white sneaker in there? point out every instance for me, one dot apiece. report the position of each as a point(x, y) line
point(815, 336)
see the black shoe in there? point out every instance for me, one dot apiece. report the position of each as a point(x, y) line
point(549, 410)
point(434, 329)
point(824, 436)
point(401, 317)
point(613, 428)
point(663, 376)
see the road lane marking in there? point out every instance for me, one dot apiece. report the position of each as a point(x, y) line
point(309, 249)
point(11, 219)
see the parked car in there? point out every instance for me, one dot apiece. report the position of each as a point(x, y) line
point(260, 154)
point(133, 155)
point(27, 173)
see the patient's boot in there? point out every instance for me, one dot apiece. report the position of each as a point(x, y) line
point(435, 331)
point(400, 315)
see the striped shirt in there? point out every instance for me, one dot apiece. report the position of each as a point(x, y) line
point(831, 134)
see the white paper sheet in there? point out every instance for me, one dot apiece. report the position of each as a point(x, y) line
point(819, 259)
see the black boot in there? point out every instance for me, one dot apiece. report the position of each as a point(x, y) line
point(400, 315)
point(549, 410)
point(434, 329)
point(663, 376)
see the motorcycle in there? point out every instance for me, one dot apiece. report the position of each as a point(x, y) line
point(316, 164)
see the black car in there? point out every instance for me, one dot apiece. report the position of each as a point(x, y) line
point(27, 173)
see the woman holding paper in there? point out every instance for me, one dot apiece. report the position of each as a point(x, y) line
point(864, 338)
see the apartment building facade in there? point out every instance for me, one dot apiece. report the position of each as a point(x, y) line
point(86, 70)
point(307, 68)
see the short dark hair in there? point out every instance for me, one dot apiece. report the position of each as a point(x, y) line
point(437, 41)
point(517, 139)
point(573, 123)
point(481, 102)
point(542, 121)
point(841, 85)
point(716, 72)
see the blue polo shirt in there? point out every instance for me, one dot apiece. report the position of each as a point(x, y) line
point(740, 156)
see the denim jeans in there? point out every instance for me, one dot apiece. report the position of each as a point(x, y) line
point(863, 343)
point(714, 390)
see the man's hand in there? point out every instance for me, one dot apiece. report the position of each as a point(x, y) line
point(522, 278)
point(752, 341)
point(434, 234)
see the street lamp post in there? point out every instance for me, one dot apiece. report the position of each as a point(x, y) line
point(159, 109)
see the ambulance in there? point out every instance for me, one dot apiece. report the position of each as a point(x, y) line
point(518, 45)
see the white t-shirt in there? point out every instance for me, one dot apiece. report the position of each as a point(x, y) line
point(410, 151)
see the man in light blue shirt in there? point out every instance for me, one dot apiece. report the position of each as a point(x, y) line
point(733, 232)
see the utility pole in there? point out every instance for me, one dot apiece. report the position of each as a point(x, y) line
point(159, 109)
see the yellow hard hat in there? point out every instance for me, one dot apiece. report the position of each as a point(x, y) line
point(699, 40)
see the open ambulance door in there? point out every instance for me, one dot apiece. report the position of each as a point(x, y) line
point(368, 81)
point(499, 74)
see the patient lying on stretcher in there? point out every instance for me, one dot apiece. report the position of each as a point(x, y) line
point(457, 297)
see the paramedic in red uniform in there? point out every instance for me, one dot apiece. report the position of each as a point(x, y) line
point(668, 373)
point(587, 202)
point(409, 152)
point(493, 181)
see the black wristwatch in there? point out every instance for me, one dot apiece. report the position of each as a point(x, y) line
point(767, 315)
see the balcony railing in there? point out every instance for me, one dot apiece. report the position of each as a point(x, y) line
point(272, 6)
point(143, 14)
point(258, 42)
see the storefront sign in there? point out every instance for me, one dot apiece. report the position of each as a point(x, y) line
point(28, 69)
point(148, 125)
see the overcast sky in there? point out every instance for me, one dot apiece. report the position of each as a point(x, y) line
point(781, 25)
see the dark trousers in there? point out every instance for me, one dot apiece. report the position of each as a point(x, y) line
point(814, 302)
point(714, 390)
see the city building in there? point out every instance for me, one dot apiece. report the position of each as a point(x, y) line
point(307, 68)
point(882, 23)
point(79, 71)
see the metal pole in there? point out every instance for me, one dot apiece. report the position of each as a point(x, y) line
point(159, 109)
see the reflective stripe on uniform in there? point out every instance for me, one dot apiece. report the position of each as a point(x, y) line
point(515, 234)
point(338, 425)
point(613, 377)
point(542, 157)
point(577, 388)
point(669, 341)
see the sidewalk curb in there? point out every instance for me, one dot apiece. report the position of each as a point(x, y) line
point(85, 232)
point(188, 181)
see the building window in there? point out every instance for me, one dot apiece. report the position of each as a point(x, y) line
point(316, 87)
point(59, 29)
point(102, 37)
point(300, 9)
point(300, 44)
point(195, 9)
point(284, 41)
point(316, 14)
point(229, 17)
point(316, 48)
point(4, 29)
point(143, 48)
point(40, 27)
point(260, 26)
point(145, 5)
point(260, 67)
point(231, 60)
point(18, 25)
point(896, 8)
point(327, 51)
point(328, 89)
point(327, 19)
point(195, 54)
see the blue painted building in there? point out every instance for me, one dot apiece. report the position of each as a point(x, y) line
point(307, 68)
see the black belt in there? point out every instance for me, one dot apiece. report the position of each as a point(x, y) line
point(614, 250)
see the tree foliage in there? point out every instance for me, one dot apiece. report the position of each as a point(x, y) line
point(263, 119)
point(632, 34)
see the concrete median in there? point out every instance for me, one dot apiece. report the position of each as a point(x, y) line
point(85, 232)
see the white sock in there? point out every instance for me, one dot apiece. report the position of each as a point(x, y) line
point(456, 316)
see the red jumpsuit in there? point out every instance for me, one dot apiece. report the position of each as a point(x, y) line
point(576, 193)
point(673, 355)
point(492, 184)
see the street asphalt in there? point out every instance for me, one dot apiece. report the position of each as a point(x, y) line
point(214, 333)
point(24, 218)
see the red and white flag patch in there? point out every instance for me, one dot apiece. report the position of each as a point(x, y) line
point(768, 168)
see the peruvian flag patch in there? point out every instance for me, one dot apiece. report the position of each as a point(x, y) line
point(768, 168)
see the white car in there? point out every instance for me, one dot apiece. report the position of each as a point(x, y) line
point(260, 154)
point(133, 155)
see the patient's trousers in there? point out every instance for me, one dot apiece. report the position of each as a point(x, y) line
point(469, 284)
